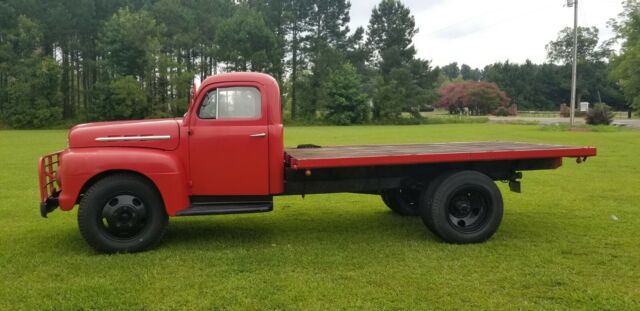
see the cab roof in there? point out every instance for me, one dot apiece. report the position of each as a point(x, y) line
point(258, 77)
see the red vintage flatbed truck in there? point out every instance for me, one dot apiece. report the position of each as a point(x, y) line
point(226, 156)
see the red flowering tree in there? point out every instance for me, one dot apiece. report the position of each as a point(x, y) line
point(480, 98)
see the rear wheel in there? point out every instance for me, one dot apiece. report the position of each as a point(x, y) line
point(403, 201)
point(462, 207)
point(426, 198)
point(122, 213)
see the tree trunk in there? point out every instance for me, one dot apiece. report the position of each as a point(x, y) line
point(78, 80)
point(66, 105)
point(294, 70)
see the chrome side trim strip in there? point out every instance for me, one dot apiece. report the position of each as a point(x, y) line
point(129, 138)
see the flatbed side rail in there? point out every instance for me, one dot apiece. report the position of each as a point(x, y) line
point(371, 155)
point(47, 173)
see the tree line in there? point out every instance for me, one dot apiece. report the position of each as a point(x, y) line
point(84, 60)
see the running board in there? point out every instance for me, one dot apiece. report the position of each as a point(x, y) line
point(197, 210)
point(227, 205)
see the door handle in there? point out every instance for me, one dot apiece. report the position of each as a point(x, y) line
point(258, 135)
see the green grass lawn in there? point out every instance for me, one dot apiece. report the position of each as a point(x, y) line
point(571, 240)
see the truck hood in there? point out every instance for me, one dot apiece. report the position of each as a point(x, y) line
point(158, 134)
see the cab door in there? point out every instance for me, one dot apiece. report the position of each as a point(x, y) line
point(228, 142)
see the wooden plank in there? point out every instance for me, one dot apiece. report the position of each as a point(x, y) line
point(367, 155)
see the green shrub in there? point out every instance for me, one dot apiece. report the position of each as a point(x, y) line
point(33, 94)
point(121, 99)
point(600, 115)
point(347, 102)
point(502, 112)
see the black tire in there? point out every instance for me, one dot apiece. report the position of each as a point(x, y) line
point(403, 202)
point(122, 213)
point(427, 196)
point(462, 207)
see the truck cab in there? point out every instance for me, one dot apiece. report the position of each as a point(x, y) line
point(234, 130)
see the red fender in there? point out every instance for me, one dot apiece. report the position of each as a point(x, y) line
point(163, 168)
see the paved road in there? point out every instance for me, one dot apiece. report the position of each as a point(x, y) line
point(632, 123)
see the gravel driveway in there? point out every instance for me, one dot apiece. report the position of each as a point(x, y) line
point(632, 123)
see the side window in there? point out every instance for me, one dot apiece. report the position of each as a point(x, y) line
point(231, 103)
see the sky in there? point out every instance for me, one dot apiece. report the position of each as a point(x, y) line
point(479, 33)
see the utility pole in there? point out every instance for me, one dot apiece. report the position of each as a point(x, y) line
point(574, 70)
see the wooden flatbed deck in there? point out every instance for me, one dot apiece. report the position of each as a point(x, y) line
point(378, 155)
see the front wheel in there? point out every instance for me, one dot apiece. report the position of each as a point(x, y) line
point(122, 213)
point(463, 207)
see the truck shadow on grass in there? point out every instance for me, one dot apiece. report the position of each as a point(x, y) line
point(254, 230)
point(375, 228)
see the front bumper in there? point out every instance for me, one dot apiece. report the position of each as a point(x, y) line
point(49, 205)
point(50, 186)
